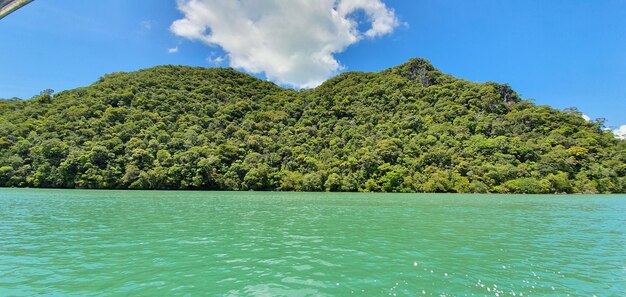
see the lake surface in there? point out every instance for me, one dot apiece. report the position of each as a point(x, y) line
point(150, 243)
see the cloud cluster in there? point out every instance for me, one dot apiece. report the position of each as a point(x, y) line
point(586, 117)
point(620, 133)
point(292, 42)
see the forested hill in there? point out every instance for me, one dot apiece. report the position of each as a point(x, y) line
point(406, 129)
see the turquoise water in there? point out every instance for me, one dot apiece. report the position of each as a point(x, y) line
point(149, 243)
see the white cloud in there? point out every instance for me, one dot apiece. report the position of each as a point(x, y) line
point(620, 132)
point(215, 61)
point(146, 25)
point(292, 42)
point(172, 50)
point(586, 117)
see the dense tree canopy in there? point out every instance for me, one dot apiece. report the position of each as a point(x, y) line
point(406, 129)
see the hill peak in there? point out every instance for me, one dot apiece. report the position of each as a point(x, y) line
point(418, 70)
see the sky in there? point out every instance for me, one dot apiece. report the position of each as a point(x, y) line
point(562, 53)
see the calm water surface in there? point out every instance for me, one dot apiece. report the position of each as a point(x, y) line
point(59, 242)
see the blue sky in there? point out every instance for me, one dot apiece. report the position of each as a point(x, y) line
point(561, 53)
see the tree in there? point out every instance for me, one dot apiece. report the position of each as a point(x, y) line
point(333, 183)
point(410, 128)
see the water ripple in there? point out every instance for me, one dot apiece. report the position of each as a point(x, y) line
point(303, 244)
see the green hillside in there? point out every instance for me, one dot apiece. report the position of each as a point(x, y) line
point(406, 129)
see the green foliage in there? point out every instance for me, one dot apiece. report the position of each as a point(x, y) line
point(406, 129)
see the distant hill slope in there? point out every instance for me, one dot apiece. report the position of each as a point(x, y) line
point(406, 129)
